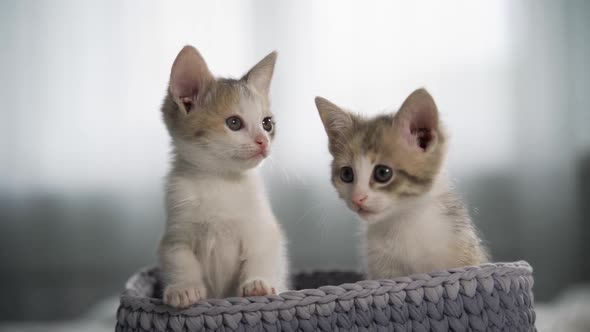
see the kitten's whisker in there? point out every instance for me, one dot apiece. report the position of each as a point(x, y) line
point(308, 211)
point(300, 179)
point(322, 222)
point(285, 175)
point(272, 165)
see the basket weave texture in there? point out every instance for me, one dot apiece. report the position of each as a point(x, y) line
point(490, 297)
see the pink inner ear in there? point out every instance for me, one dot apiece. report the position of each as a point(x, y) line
point(423, 137)
point(185, 90)
point(189, 73)
point(188, 103)
point(418, 120)
point(422, 128)
point(422, 119)
point(182, 87)
point(419, 126)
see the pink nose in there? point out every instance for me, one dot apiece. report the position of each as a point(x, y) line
point(262, 141)
point(359, 199)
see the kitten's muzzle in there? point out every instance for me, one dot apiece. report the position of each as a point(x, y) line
point(261, 141)
point(365, 213)
point(261, 153)
point(359, 199)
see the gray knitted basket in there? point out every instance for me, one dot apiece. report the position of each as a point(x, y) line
point(490, 297)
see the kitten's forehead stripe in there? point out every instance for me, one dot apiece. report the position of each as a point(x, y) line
point(373, 133)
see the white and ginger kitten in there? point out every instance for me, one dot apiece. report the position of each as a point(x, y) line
point(388, 170)
point(221, 238)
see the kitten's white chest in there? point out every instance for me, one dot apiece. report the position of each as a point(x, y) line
point(226, 200)
point(414, 243)
point(229, 216)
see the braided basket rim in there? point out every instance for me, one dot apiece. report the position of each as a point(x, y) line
point(323, 294)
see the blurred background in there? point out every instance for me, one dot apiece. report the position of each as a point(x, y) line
point(83, 150)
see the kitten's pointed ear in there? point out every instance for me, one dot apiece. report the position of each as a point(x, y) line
point(335, 120)
point(417, 120)
point(189, 78)
point(261, 74)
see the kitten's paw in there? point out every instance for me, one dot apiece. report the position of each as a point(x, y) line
point(183, 295)
point(256, 287)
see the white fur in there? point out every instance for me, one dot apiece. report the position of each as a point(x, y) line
point(234, 236)
point(222, 238)
point(415, 238)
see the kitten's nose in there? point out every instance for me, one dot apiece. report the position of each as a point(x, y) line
point(359, 199)
point(262, 141)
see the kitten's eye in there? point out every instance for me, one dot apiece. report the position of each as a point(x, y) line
point(234, 123)
point(346, 174)
point(382, 173)
point(267, 124)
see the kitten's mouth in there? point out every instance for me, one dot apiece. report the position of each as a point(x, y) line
point(260, 154)
point(364, 213)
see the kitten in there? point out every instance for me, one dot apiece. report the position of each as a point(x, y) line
point(221, 238)
point(388, 170)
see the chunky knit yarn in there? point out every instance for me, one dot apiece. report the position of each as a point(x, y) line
point(490, 297)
